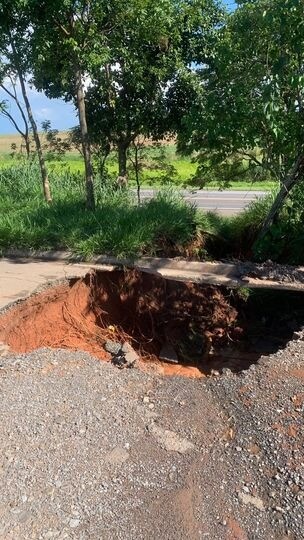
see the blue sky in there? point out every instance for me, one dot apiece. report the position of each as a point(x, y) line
point(62, 115)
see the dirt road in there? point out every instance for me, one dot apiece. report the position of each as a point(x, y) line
point(92, 452)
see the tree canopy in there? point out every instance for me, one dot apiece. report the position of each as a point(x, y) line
point(229, 85)
point(250, 94)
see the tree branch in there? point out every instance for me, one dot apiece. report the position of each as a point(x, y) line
point(243, 153)
point(15, 98)
point(11, 119)
point(62, 28)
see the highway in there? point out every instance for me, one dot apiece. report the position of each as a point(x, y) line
point(226, 203)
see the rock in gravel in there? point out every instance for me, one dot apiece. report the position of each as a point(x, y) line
point(117, 456)
point(4, 349)
point(113, 347)
point(249, 499)
point(74, 523)
point(298, 335)
point(168, 354)
point(169, 440)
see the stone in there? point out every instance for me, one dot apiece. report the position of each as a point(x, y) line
point(113, 347)
point(131, 355)
point(168, 354)
point(117, 456)
point(169, 440)
point(226, 371)
point(249, 499)
point(279, 509)
point(23, 516)
point(299, 335)
point(49, 535)
point(74, 523)
point(4, 349)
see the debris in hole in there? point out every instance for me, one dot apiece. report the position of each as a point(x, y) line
point(168, 354)
point(113, 347)
point(119, 360)
point(299, 334)
point(123, 356)
point(131, 356)
point(282, 273)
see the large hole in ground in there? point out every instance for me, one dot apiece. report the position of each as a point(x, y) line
point(208, 328)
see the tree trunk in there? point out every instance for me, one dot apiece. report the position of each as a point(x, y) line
point(27, 146)
point(122, 160)
point(295, 174)
point(44, 174)
point(136, 167)
point(86, 148)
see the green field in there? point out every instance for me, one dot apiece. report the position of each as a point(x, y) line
point(185, 169)
point(150, 176)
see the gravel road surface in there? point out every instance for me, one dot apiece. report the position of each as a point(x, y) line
point(92, 452)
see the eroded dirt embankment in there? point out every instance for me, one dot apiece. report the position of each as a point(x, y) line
point(204, 325)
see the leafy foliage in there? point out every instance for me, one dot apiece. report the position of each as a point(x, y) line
point(251, 94)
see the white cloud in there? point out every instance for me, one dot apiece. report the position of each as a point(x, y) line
point(45, 113)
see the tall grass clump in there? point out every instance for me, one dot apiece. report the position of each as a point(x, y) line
point(234, 236)
point(164, 225)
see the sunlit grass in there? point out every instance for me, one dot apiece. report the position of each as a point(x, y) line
point(149, 177)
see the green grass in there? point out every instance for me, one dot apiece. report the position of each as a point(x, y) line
point(165, 225)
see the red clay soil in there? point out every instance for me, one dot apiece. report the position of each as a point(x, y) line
point(145, 310)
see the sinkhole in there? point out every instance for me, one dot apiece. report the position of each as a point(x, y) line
point(176, 328)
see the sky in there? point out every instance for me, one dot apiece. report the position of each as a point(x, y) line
point(61, 115)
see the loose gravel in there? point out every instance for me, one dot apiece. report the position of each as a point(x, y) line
point(89, 451)
point(281, 273)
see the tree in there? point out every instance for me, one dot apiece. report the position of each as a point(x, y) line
point(126, 94)
point(148, 49)
point(250, 100)
point(15, 32)
point(68, 41)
